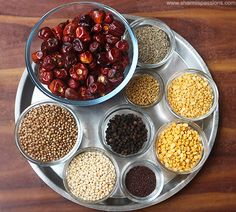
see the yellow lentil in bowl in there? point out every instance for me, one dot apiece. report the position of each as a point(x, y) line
point(181, 147)
point(191, 95)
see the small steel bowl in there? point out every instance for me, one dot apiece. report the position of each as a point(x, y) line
point(211, 84)
point(156, 23)
point(139, 72)
point(91, 149)
point(126, 109)
point(159, 181)
point(69, 154)
point(204, 141)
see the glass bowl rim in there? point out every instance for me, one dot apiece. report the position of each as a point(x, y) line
point(91, 149)
point(211, 83)
point(142, 71)
point(69, 154)
point(204, 142)
point(101, 99)
point(159, 180)
point(163, 26)
point(147, 121)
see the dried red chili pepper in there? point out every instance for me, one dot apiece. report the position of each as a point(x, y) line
point(97, 28)
point(122, 45)
point(83, 34)
point(57, 87)
point(79, 72)
point(48, 63)
point(72, 83)
point(68, 38)
point(60, 73)
point(86, 21)
point(112, 39)
point(116, 28)
point(72, 94)
point(108, 18)
point(97, 15)
point(37, 56)
point(45, 77)
point(113, 55)
point(70, 29)
point(45, 33)
point(78, 45)
point(86, 57)
point(94, 46)
point(57, 32)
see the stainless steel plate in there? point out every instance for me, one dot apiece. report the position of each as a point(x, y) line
point(185, 56)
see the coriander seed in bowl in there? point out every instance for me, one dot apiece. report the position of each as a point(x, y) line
point(181, 147)
point(191, 94)
point(91, 175)
point(48, 133)
point(156, 42)
point(145, 89)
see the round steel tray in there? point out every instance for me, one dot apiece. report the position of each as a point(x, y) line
point(185, 56)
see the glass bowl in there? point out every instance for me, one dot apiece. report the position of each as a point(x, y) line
point(156, 23)
point(126, 109)
point(204, 141)
point(69, 154)
point(159, 181)
point(139, 72)
point(211, 84)
point(91, 149)
point(63, 13)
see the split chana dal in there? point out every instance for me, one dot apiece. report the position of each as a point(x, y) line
point(179, 147)
point(190, 95)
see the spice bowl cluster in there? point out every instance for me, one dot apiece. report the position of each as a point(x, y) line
point(149, 126)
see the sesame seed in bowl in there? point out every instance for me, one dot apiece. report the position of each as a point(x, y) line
point(91, 176)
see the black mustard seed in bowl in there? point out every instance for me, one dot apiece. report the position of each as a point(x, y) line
point(137, 187)
point(142, 181)
point(126, 131)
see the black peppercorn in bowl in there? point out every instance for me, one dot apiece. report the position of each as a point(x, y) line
point(145, 89)
point(126, 131)
point(91, 176)
point(181, 147)
point(142, 181)
point(156, 42)
point(81, 53)
point(48, 133)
